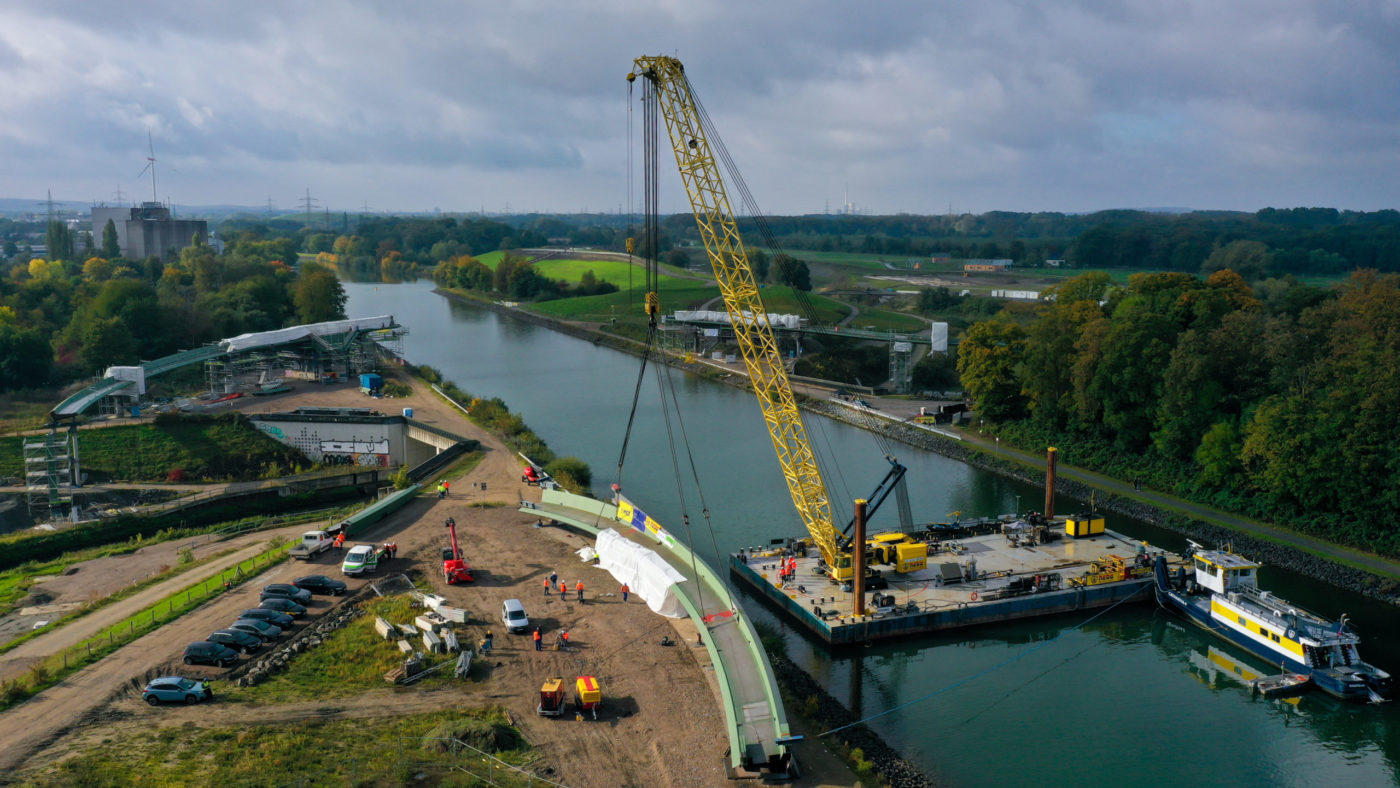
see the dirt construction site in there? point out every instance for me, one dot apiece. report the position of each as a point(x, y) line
point(661, 724)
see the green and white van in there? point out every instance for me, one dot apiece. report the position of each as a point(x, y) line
point(361, 558)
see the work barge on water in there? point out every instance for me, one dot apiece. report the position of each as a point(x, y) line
point(981, 572)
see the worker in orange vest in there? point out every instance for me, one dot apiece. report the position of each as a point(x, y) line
point(625, 589)
point(546, 586)
point(563, 589)
point(537, 639)
point(579, 588)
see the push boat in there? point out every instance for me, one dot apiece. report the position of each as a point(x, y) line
point(1224, 597)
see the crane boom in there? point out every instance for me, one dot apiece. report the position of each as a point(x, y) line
point(757, 343)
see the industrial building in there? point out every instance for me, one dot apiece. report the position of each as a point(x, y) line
point(148, 230)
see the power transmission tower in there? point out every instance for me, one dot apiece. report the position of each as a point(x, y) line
point(308, 202)
point(269, 205)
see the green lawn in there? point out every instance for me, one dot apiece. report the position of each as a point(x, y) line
point(780, 300)
point(886, 320)
point(389, 750)
point(348, 662)
point(675, 294)
point(572, 271)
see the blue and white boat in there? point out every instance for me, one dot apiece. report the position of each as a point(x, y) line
point(1225, 598)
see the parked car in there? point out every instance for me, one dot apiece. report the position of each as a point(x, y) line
point(283, 606)
point(203, 652)
point(513, 616)
point(270, 616)
point(285, 591)
point(253, 626)
point(320, 584)
point(176, 689)
point(238, 641)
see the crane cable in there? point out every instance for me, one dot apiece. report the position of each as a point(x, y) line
point(649, 174)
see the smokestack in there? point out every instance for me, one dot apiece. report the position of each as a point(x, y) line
point(1050, 483)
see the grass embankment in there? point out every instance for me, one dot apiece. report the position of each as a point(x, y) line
point(57, 667)
point(403, 750)
point(350, 661)
point(191, 448)
point(493, 415)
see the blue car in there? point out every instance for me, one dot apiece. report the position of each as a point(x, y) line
point(176, 689)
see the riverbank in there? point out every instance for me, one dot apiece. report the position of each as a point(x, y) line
point(1309, 557)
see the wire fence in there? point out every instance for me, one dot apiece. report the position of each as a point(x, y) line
point(51, 670)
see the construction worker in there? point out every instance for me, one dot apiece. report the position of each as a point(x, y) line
point(579, 590)
point(446, 488)
point(393, 549)
point(563, 589)
point(486, 643)
point(553, 577)
point(625, 589)
point(537, 639)
point(442, 491)
point(546, 586)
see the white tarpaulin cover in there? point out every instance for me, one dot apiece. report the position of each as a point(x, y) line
point(645, 573)
point(284, 335)
point(136, 375)
point(708, 316)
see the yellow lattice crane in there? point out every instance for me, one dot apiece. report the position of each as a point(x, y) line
point(758, 345)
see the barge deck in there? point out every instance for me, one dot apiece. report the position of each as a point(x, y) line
point(976, 580)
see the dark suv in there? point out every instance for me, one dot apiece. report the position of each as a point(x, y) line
point(203, 652)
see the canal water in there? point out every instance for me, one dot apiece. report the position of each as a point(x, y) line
point(1128, 696)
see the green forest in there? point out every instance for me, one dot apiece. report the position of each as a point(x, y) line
point(1279, 400)
point(63, 319)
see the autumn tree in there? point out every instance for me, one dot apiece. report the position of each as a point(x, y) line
point(318, 295)
point(987, 362)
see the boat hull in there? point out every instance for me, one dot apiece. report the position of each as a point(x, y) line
point(1348, 683)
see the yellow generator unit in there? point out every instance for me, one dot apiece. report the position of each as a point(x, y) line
point(1081, 525)
point(900, 551)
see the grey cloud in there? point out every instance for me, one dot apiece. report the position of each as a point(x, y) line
point(994, 105)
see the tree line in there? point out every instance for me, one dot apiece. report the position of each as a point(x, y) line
point(1278, 400)
point(64, 319)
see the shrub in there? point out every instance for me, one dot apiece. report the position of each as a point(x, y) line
point(393, 388)
point(175, 476)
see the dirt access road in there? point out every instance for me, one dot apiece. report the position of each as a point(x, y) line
point(661, 726)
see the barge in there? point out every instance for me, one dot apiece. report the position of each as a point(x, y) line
point(980, 579)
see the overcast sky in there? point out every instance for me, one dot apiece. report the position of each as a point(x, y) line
point(915, 107)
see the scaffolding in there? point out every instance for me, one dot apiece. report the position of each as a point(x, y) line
point(345, 355)
point(901, 366)
point(51, 470)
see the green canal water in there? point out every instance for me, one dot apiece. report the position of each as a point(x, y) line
point(1134, 696)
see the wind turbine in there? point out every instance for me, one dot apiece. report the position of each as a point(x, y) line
point(150, 165)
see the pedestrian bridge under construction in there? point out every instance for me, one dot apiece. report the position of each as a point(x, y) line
point(338, 346)
point(339, 349)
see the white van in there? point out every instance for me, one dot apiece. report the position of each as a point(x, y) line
point(361, 558)
point(513, 616)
